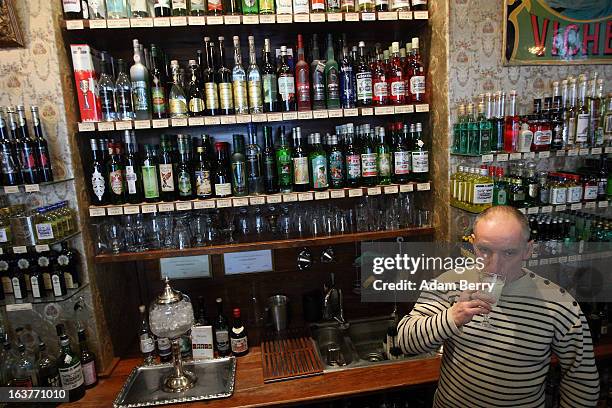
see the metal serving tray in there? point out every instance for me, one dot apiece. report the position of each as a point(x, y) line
point(143, 387)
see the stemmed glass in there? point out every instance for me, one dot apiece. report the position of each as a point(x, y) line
point(498, 282)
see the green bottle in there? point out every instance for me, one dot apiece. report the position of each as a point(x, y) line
point(457, 129)
point(483, 146)
point(150, 180)
point(332, 80)
point(250, 7)
point(167, 171)
point(299, 156)
point(284, 164)
point(464, 146)
point(238, 165)
point(317, 161)
point(183, 169)
point(69, 367)
point(336, 164)
point(473, 133)
point(384, 158)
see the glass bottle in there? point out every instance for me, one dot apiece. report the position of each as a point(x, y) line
point(571, 116)
point(215, 7)
point(270, 178)
point(302, 77)
point(353, 161)
point(332, 6)
point(420, 155)
point(139, 75)
point(221, 329)
point(88, 361)
point(239, 81)
point(179, 8)
point(347, 81)
point(115, 168)
point(582, 115)
point(117, 9)
point(146, 341)
point(224, 82)
point(24, 374)
point(41, 148)
point(196, 94)
point(46, 368)
point(266, 7)
point(239, 167)
point(167, 171)
point(25, 149)
point(286, 83)
point(250, 7)
point(202, 174)
point(419, 5)
point(133, 178)
point(183, 168)
point(222, 179)
point(123, 93)
point(396, 77)
point(150, 179)
point(511, 126)
point(269, 80)
point(382, 5)
point(9, 162)
point(363, 79)
point(197, 7)
point(255, 180)
point(107, 90)
point(98, 187)
point(158, 80)
point(317, 159)
point(366, 6)
point(416, 74)
point(401, 157)
point(299, 156)
point(317, 70)
point(254, 80)
point(301, 7)
point(317, 6)
point(332, 81)
point(177, 102)
point(73, 9)
point(284, 7)
point(347, 6)
point(380, 85)
point(284, 164)
point(369, 168)
point(383, 158)
point(336, 164)
point(69, 367)
point(239, 342)
point(209, 78)
point(139, 9)
point(162, 8)
point(400, 5)
point(484, 130)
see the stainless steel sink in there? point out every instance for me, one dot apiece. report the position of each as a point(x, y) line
point(358, 345)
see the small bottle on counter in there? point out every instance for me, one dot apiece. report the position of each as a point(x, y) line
point(147, 344)
point(221, 328)
point(164, 349)
point(238, 336)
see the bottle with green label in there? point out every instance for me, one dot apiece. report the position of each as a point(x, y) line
point(158, 81)
point(183, 169)
point(336, 164)
point(317, 160)
point(239, 167)
point(266, 7)
point(250, 7)
point(301, 178)
point(269, 80)
point(167, 171)
point(150, 179)
point(284, 164)
point(69, 367)
point(384, 158)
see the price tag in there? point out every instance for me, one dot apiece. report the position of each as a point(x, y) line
point(421, 15)
point(487, 158)
point(321, 195)
point(572, 258)
point(148, 208)
point(212, 120)
point(224, 203)
point(106, 126)
point(351, 112)
point(228, 120)
point(179, 122)
point(160, 123)
point(596, 150)
point(41, 248)
point(368, 16)
point(142, 124)
point(290, 116)
point(214, 20)
point(243, 118)
point(131, 209)
point(288, 198)
point(553, 261)
point(250, 19)
point(502, 157)
point(183, 206)
point(367, 111)
point(609, 149)
point(406, 188)
point(576, 206)
point(141, 22)
point(533, 262)
point(573, 152)
point(544, 261)
point(259, 117)
point(317, 17)
point(114, 210)
point(590, 204)
point(423, 107)
point(267, 19)
point(161, 22)
point(17, 307)
point(533, 210)
point(74, 24)
point(118, 23)
point(351, 16)
point(96, 24)
point(205, 204)
point(546, 209)
point(334, 17)
point(97, 212)
point(560, 153)
point(166, 207)
point(337, 194)
point(32, 188)
point(301, 18)
point(529, 155)
point(123, 125)
point(355, 192)
point(561, 207)
point(305, 196)
point(384, 110)
point(404, 109)
point(374, 191)
point(320, 114)
point(259, 200)
point(405, 15)
point(275, 199)
point(232, 19)
point(544, 155)
point(11, 189)
point(562, 259)
point(335, 113)
point(284, 19)
point(387, 15)
point(197, 20)
point(199, 121)
point(391, 189)
point(20, 249)
point(423, 186)
point(602, 204)
point(305, 115)
point(87, 127)
point(240, 202)
point(516, 156)
point(275, 117)
point(584, 152)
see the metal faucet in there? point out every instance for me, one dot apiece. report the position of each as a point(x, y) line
point(332, 303)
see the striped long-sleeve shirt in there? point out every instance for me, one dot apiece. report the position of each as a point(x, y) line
point(506, 366)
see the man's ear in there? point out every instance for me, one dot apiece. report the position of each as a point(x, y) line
point(528, 250)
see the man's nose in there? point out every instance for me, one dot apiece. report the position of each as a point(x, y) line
point(493, 263)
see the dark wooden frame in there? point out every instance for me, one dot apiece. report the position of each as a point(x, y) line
point(10, 33)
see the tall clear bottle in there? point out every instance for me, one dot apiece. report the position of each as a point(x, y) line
point(107, 89)
point(571, 115)
point(24, 374)
point(269, 80)
point(177, 101)
point(254, 80)
point(123, 93)
point(133, 177)
point(139, 75)
point(239, 167)
point(254, 167)
point(239, 81)
point(582, 115)
point(158, 81)
point(224, 81)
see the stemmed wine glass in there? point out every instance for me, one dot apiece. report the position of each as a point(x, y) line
point(498, 282)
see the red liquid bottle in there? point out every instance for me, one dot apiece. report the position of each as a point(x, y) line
point(380, 85)
point(416, 74)
point(396, 77)
point(302, 78)
point(512, 126)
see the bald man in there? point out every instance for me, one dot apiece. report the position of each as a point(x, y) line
point(504, 365)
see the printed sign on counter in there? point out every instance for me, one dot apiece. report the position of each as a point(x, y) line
point(247, 262)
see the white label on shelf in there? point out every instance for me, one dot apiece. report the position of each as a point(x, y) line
point(118, 23)
point(406, 188)
point(20, 249)
point(544, 261)
point(161, 22)
point(41, 248)
point(74, 24)
point(533, 210)
point(572, 258)
point(305, 115)
point(123, 125)
point(516, 156)
point(487, 158)
point(572, 152)
point(320, 114)
point(106, 126)
point(590, 204)
point(321, 195)
point(148, 208)
point(533, 262)
point(199, 121)
point(546, 209)
point(232, 19)
point(275, 117)
point(405, 15)
point(259, 117)
point(202, 204)
point(250, 19)
point(544, 155)
point(141, 22)
point(337, 194)
point(267, 19)
point(17, 307)
point(355, 192)
point(368, 16)
point(131, 209)
point(212, 120)
point(562, 259)
point(183, 206)
point(529, 155)
point(335, 113)
point(228, 120)
point(404, 109)
point(576, 206)
point(391, 189)
point(114, 210)
point(259, 200)
point(290, 116)
point(288, 198)
point(384, 110)
point(374, 191)
point(423, 186)
point(421, 15)
point(351, 16)
point(96, 24)
point(32, 188)
point(160, 123)
point(179, 122)
point(609, 149)
point(317, 17)
point(11, 189)
point(602, 204)
point(243, 118)
point(240, 202)
point(166, 207)
point(420, 108)
point(87, 126)
point(307, 196)
point(197, 20)
point(502, 157)
point(142, 124)
point(367, 111)
point(584, 152)
point(596, 150)
point(224, 203)
point(97, 212)
point(387, 15)
point(561, 207)
point(214, 20)
point(560, 153)
point(284, 19)
point(274, 199)
point(351, 112)
point(334, 17)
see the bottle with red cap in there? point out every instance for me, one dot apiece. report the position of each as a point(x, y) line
point(238, 336)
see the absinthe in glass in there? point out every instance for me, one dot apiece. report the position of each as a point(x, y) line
point(139, 76)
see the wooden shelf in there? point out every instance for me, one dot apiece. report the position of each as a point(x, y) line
point(259, 245)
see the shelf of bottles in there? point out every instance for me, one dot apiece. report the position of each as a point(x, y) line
point(13, 305)
point(22, 249)
point(32, 188)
